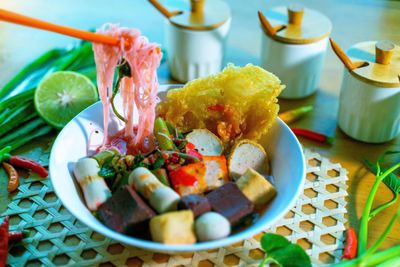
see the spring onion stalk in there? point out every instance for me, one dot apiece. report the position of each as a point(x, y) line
point(21, 131)
point(22, 97)
point(27, 138)
point(21, 115)
point(12, 109)
point(32, 67)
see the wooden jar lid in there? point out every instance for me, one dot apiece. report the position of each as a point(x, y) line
point(382, 62)
point(298, 25)
point(200, 15)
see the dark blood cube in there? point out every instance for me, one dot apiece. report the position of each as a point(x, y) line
point(126, 212)
point(198, 204)
point(230, 202)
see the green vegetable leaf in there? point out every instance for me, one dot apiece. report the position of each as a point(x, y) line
point(270, 242)
point(282, 252)
point(138, 162)
point(391, 181)
point(107, 172)
point(158, 163)
point(291, 256)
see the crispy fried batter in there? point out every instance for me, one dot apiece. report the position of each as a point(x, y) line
point(239, 102)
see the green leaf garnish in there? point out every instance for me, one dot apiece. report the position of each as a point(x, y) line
point(280, 251)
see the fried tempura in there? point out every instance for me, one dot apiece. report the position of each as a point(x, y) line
point(239, 102)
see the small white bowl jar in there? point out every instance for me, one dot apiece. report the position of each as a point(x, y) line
point(195, 39)
point(369, 108)
point(294, 44)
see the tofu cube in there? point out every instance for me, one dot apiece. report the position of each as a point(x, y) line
point(175, 227)
point(216, 171)
point(256, 188)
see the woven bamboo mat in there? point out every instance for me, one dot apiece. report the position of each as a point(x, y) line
point(59, 239)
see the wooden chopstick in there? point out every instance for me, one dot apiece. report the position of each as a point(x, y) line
point(16, 18)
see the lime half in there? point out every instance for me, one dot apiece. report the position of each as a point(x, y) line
point(61, 95)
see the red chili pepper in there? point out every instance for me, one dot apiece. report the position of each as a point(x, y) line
point(350, 250)
point(21, 162)
point(217, 107)
point(14, 237)
point(13, 177)
point(191, 150)
point(4, 242)
point(321, 138)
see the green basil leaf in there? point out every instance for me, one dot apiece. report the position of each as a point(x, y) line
point(271, 242)
point(291, 255)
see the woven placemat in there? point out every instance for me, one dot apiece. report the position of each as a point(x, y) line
point(59, 239)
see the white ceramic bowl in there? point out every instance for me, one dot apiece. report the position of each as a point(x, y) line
point(284, 150)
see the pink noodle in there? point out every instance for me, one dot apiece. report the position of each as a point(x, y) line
point(139, 91)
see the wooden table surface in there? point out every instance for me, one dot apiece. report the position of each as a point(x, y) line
point(353, 21)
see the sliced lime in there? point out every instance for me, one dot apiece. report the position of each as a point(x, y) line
point(61, 95)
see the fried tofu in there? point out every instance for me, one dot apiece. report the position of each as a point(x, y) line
point(175, 227)
point(256, 188)
point(216, 171)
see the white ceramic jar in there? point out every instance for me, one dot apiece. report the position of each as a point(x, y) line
point(369, 109)
point(294, 47)
point(195, 53)
point(195, 38)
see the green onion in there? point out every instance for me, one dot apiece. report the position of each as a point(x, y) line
point(20, 115)
point(24, 74)
point(162, 134)
point(21, 131)
point(26, 139)
point(22, 97)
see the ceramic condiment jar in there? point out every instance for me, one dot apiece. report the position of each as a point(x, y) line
point(195, 39)
point(294, 42)
point(369, 107)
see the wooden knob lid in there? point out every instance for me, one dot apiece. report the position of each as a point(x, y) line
point(382, 62)
point(197, 6)
point(295, 14)
point(384, 52)
point(297, 25)
point(200, 15)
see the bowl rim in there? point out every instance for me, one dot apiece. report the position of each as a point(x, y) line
point(171, 248)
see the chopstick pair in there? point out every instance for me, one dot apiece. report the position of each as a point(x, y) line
point(20, 19)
